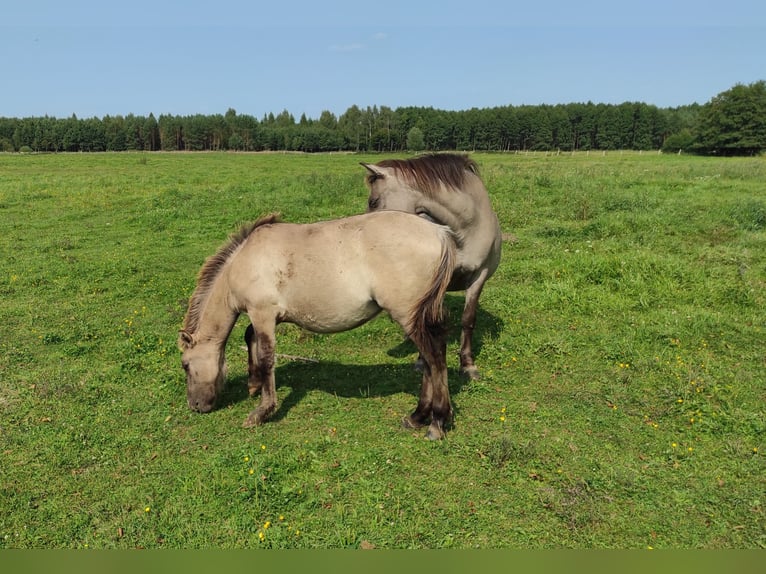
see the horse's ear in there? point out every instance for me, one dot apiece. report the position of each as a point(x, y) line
point(373, 171)
point(185, 340)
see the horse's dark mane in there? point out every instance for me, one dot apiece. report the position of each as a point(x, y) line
point(213, 265)
point(427, 172)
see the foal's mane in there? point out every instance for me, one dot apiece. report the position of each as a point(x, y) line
point(212, 267)
point(427, 172)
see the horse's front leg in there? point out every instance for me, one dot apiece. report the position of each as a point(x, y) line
point(254, 382)
point(261, 373)
point(468, 322)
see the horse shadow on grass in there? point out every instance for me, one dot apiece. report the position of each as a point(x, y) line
point(337, 379)
point(355, 381)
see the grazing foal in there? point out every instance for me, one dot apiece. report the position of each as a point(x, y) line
point(326, 277)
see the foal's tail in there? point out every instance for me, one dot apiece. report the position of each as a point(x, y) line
point(427, 318)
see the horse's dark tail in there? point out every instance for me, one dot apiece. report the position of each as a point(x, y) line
point(428, 317)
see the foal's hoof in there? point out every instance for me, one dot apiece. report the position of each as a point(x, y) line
point(409, 423)
point(435, 432)
point(471, 373)
point(252, 420)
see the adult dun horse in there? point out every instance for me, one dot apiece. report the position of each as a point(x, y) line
point(326, 277)
point(446, 189)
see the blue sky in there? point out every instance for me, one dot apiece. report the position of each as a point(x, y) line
point(97, 58)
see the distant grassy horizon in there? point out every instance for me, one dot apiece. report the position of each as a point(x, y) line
point(621, 344)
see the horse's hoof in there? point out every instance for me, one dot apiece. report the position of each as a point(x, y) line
point(435, 432)
point(409, 423)
point(252, 420)
point(471, 373)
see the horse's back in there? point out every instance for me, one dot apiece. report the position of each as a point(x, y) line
point(335, 275)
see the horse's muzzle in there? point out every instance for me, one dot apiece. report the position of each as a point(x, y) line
point(201, 405)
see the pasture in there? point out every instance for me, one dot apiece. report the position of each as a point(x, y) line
point(621, 344)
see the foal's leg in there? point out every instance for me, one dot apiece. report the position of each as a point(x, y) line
point(422, 413)
point(468, 321)
point(441, 407)
point(254, 382)
point(434, 400)
point(262, 373)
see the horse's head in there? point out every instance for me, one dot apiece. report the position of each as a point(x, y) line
point(390, 192)
point(205, 372)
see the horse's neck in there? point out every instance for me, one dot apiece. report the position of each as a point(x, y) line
point(217, 317)
point(470, 216)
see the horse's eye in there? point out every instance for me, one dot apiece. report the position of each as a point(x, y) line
point(420, 212)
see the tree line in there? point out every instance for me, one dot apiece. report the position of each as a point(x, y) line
point(734, 122)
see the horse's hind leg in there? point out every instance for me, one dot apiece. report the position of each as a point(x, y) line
point(434, 402)
point(422, 413)
point(468, 322)
point(261, 372)
point(441, 407)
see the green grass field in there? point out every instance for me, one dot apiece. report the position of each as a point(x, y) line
point(621, 341)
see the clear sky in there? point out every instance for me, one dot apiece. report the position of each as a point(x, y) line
point(99, 57)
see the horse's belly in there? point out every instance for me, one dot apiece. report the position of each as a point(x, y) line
point(332, 317)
